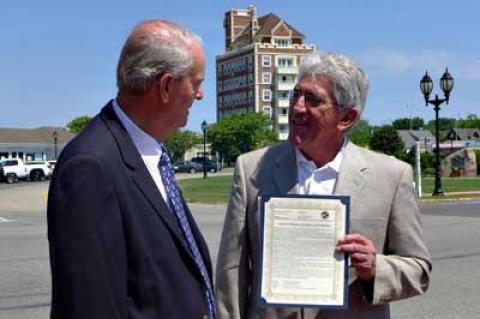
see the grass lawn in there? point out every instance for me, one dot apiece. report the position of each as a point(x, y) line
point(452, 185)
point(216, 189)
point(213, 190)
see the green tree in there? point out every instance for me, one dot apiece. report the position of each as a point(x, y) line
point(444, 125)
point(472, 121)
point(427, 163)
point(238, 134)
point(386, 140)
point(179, 142)
point(361, 133)
point(405, 123)
point(77, 124)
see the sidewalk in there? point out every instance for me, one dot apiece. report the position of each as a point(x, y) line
point(451, 196)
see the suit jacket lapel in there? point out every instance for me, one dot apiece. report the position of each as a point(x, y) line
point(353, 173)
point(285, 171)
point(140, 175)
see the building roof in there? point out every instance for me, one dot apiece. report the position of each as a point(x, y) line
point(463, 133)
point(41, 135)
point(409, 137)
point(266, 24)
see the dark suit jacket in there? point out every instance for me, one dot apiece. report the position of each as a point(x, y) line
point(115, 249)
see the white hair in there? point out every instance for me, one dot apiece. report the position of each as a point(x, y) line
point(154, 47)
point(349, 82)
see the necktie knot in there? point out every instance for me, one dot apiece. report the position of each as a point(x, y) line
point(164, 159)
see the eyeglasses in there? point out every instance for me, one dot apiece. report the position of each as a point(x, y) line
point(311, 100)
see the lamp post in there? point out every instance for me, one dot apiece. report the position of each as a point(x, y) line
point(55, 140)
point(204, 129)
point(426, 86)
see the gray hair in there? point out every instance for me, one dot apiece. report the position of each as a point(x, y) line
point(153, 48)
point(349, 82)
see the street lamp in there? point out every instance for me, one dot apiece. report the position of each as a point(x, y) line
point(426, 86)
point(204, 129)
point(55, 140)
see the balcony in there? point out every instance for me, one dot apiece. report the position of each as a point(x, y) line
point(283, 102)
point(282, 118)
point(284, 86)
point(286, 70)
point(282, 136)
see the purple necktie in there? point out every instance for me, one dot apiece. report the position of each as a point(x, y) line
point(177, 208)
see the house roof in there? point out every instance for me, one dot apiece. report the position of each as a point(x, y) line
point(41, 135)
point(409, 137)
point(463, 133)
point(266, 24)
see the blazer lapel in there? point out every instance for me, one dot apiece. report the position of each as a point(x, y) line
point(353, 173)
point(285, 172)
point(140, 175)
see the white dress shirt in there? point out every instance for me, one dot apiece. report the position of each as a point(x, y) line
point(148, 148)
point(318, 181)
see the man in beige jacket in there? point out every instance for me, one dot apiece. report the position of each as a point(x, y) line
point(388, 256)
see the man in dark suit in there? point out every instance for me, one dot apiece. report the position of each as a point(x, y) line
point(123, 243)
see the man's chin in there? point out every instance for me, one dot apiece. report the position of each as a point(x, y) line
point(297, 134)
point(295, 139)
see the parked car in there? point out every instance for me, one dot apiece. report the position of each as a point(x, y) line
point(12, 169)
point(187, 167)
point(51, 165)
point(211, 165)
point(38, 170)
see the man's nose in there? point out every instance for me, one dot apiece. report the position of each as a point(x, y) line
point(298, 104)
point(199, 94)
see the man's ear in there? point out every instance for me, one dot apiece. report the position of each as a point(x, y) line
point(347, 119)
point(165, 87)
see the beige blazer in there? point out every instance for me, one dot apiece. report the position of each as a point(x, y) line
point(383, 208)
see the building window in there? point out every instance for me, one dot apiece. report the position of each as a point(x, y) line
point(266, 61)
point(267, 78)
point(287, 79)
point(267, 95)
point(283, 128)
point(250, 78)
point(285, 62)
point(267, 111)
point(283, 42)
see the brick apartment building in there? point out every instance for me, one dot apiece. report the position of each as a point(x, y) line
point(259, 67)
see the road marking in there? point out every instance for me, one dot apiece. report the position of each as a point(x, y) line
point(44, 197)
point(4, 220)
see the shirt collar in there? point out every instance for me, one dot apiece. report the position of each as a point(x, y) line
point(334, 164)
point(145, 144)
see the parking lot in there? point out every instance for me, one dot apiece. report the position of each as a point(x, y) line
point(451, 230)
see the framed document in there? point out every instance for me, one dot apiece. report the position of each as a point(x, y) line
point(299, 266)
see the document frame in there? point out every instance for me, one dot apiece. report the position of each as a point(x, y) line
point(293, 271)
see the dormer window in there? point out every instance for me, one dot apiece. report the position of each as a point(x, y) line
point(283, 42)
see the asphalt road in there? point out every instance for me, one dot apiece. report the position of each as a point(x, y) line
point(451, 231)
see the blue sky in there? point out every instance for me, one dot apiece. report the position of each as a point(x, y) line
point(58, 58)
